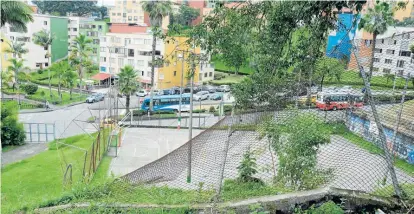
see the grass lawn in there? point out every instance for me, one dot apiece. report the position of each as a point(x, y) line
point(38, 179)
point(352, 78)
point(219, 65)
point(101, 174)
point(55, 98)
point(228, 79)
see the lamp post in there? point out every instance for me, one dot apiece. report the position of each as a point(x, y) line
point(182, 57)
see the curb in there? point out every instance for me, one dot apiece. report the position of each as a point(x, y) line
point(25, 111)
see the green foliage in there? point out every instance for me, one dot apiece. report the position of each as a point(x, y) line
point(247, 168)
point(156, 10)
point(80, 50)
point(326, 208)
point(296, 144)
point(17, 14)
point(377, 19)
point(12, 132)
point(29, 88)
point(80, 8)
point(212, 109)
point(185, 15)
point(233, 189)
point(406, 22)
point(17, 48)
point(40, 71)
point(327, 67)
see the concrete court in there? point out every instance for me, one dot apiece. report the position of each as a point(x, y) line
point(141, 146)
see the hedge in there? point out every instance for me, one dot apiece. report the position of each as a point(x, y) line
point(231, 72)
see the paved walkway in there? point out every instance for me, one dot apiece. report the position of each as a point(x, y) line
point(22, 152)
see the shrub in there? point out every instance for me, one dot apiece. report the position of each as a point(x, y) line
point(218, 76)
point(30, 88)
point(40, 71)
point(138, 112)
point(212, 109)
point(12, 132)
point(199, 111)
point(227, 108)
point(247, 168)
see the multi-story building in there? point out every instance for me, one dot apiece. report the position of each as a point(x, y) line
point(406, 12)
point(392, 54)
point(74, 28)
point(36, 57)
point(119, 48)
point(93, 30)
point(5, 56)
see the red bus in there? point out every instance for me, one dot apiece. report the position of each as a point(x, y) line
point(338, 100)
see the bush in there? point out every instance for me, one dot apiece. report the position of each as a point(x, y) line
point(12, 132)
point(138, 112)
point(40, 71)
point(218, 76)
point(199, 111)
point(30, 88)
point(212, 109)
point(227, 108)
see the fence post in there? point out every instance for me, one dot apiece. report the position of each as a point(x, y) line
point(38, 132)
point(30, 131)
point(46, 132)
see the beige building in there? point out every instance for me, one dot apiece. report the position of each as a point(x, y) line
point(400, 15)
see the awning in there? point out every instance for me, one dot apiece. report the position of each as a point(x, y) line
point(101, 76)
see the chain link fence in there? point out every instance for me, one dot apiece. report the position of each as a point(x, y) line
point(349, 135)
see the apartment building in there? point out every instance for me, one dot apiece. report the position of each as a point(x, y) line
point(36, 57)
point(94, 30)
point(118, 49)
point(74, 28)
point(5, 56)
point(392, 54)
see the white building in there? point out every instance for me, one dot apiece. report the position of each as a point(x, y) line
point(135, 49)
point(392, 53)
point(36, 57)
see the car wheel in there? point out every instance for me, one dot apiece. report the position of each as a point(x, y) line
point(334, 108)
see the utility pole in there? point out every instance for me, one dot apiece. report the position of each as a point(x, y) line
point(181, 91)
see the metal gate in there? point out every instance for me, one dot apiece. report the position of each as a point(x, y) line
point(39, 132)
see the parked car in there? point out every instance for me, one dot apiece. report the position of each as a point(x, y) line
point(91, 99)
point(216, 96)
point(208, 88)
point(157, 92)
point(223, 88)
point(99, 96)
point(201, 95)
point(142, 93)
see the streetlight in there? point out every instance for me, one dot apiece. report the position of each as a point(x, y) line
point(181, 56)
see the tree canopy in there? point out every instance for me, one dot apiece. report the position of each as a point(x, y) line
point(16, 13)
point(79, 7)
point(185, 15)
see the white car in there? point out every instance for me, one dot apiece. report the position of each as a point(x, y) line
point(142, 93)
point(201, 95)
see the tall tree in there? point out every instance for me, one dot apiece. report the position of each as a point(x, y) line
point(16, 13)
point(157, 10)
point(79, 7)
point(327, 67)
point(69, 80)
point(17, 49)
point(376, 22)
point(17, 67)
point(6, 78)
point(128, 83)
point(186, 15)
point(59, 70)
point(44, 39)
point(102, 10)
point(80, 49)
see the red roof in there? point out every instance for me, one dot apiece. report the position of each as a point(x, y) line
point(101, 76)
point(126, 28)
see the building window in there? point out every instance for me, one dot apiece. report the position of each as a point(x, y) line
point(103, 69)
point(142, 73)
point(395, 42)
point(161, 77)
point(46, 64)
point(113, 14)
point(390, 52)
point(141, 18)
point(129, 18)
point(205, 74)
point(400, 63)
point(131, 52)
point(119, 14)
point(147, 41)
point(386, 70)
point(376, 60)
point(135, 18)
point(44, 22)
point(388, 61)
point(140, 62)
point(75, 29)
point(121, 62)
point(382, 41)
point(175, 73)
point(104, 39)
point(38, 64)
point(103, 59)
point(99, 27)
point(210, 74)
point(375, 69)
point(45, 48)
point(401, 72)
point(131, 62)
point(95, 50)
point(368, 42)
point(102, 49)
point(96, 41)
point(377, 50)
point(405, 53)
point(124, 15)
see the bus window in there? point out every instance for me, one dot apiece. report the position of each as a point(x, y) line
point(156, 102)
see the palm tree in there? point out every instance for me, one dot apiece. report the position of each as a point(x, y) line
point(6, 77)
point(16, 67)
point(44, 39)
point(157, 10)
point(16, 13)
point(17, 49)
point(128, 83)
point(376, 22)
point(69, 80)
point(80, 49)
point(59, 70)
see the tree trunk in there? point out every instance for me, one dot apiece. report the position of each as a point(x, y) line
point(154, 41)
point(371, 66)
point(383, 139)
point(128, 97)
point(323, 77)
point(70, 93)
point(50, 83)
